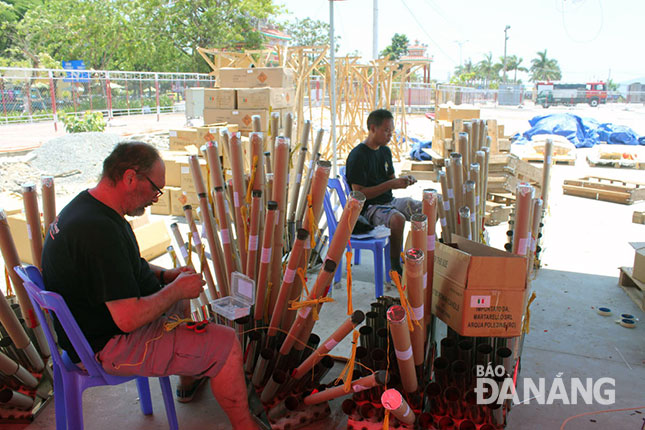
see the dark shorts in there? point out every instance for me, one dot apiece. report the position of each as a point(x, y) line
point(381, 214)
point(152, 351)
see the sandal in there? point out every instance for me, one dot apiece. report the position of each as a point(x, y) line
point(186, 394)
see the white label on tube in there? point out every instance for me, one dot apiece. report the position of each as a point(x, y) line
point(236, 198)
point(477, 200)
point(235, 112)
point(425, 282)
point(226, 206)
point(446, 205)
point(533, 243)
point(212, 130)
point(196, 238)
point(29, 231)
point(304, 312)
point(480, 301)
point(451, 194)
point(418, 313)
point(204, 232)
point(266, 255)
point(431, 240)
point(184, 253)
point(470, 236)
point(277, 216)
point(521, 246)
point(253, 243)
point(407, 410)
point(331, 344)
point(473, 217)
point(185, 170)
point(289, 275)
point(444, 222)
point(225, 237)
point(298, 178)
point(307, 244)
point(548, 160)
point(357, 387)
point(311, 162)
point(403, 355)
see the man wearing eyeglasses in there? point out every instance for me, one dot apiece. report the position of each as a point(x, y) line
point(121, 302)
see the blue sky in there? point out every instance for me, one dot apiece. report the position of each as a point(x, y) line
point(591, 39)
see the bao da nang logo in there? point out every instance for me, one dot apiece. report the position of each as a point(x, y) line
point(493, 385)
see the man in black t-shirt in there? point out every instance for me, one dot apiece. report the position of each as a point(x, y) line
point(121, 302)
point(370, 171)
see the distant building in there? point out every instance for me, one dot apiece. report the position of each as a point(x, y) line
point(636, 93)
point(274, 37)
point(417, 54)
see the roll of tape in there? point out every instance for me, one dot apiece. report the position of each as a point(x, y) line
point(628, 316)
point(604, 311)
point(627, 323)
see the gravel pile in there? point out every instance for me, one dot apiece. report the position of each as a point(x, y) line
point(75, 161)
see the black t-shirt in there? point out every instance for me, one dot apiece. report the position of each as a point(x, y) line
point(90, 257)
point(367, 167)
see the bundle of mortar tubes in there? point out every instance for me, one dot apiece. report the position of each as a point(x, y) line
point(271, 241)
point(23, 348)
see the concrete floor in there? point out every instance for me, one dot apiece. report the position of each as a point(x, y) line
point(585, 243)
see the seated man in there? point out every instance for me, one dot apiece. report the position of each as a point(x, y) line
point(92, 259)
point(370, 171)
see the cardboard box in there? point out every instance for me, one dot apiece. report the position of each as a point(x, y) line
point(265, 98)
point(182, 137)
point(186, 176)
point(478, 290)
point(18, 226)
point(256, 77)
point(138, 221)
point(639, 261)
point(180, 198)
point(171, 160)
point(449, 112)
point(11, 203)
point(162, 207)
point(241, 117)
point(153, 239)
point(220, 98)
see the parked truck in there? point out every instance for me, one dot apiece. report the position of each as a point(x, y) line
point(550, 94)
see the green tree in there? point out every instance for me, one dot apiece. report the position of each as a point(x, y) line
point(309, 32)
point(486, 69)
point(544, 68)
point(514, 64)
point(397, 48)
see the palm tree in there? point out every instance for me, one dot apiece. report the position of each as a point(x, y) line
point(486, 69)
point(544, 68)
point(514, 63)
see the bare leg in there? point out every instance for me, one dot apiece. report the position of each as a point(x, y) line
point(397, 223)
point(229, 389)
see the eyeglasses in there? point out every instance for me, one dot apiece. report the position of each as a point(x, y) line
point(156, 188)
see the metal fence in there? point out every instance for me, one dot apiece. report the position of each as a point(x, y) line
point(29, 95)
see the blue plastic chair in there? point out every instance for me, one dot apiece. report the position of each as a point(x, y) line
point(380, 247)
point(70, 380)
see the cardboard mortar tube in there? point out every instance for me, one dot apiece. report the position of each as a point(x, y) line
point(535, 228)
point(257, 123)
point(377, 378)
point(15, 399)
point(257, 150)
point(287, 282)
point(311, 166)
point(300, 163)
point(480, 159)
point(211, 153)
point(469, 200)
point(8, 318)
point(330, 343)
point(521, 234)
point(280, 184)
point(474, 175)
point(464, 141)
point(49, 200)
point(318, 187)
point(11, 368)
point(225, 228)
point(174, 228)
point(197, 242)
point(445, 232)
point(402, 347)
point(414, 259)
point(34, 226)
point(322, 281)
point(268, 176)
point(393, 401)
point(464, 222)
point(457, 179)
point(239, 191)
point(448, 201)
point(431, 202)
point(265, 260)
point(254, 230)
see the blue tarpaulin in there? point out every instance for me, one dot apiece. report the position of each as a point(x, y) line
point(582, 132)
point(417, 152)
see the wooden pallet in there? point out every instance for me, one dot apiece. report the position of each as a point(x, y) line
point(610, 190)
point(634, 288)
point(506, 198)
point(511, 164)
point(627, 164)
point(496, 213)
point(421, 170)
point(638, 217)
point(557, 159)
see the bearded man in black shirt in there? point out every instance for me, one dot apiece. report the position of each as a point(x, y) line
point(370, 171)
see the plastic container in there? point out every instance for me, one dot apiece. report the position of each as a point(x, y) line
point(239, 303)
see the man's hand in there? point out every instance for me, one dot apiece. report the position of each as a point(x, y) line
point(403, 182)
point(188, 284)
point(171, 274)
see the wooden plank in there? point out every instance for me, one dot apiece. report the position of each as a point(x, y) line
point(557, 159)
point(633, 287)
point(493, 133)
point(496, 213)
point(505, 198)
point(635, 190)
point(597, 194)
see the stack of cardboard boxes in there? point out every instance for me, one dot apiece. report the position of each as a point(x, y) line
point(180, 188)
point(247, 92)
